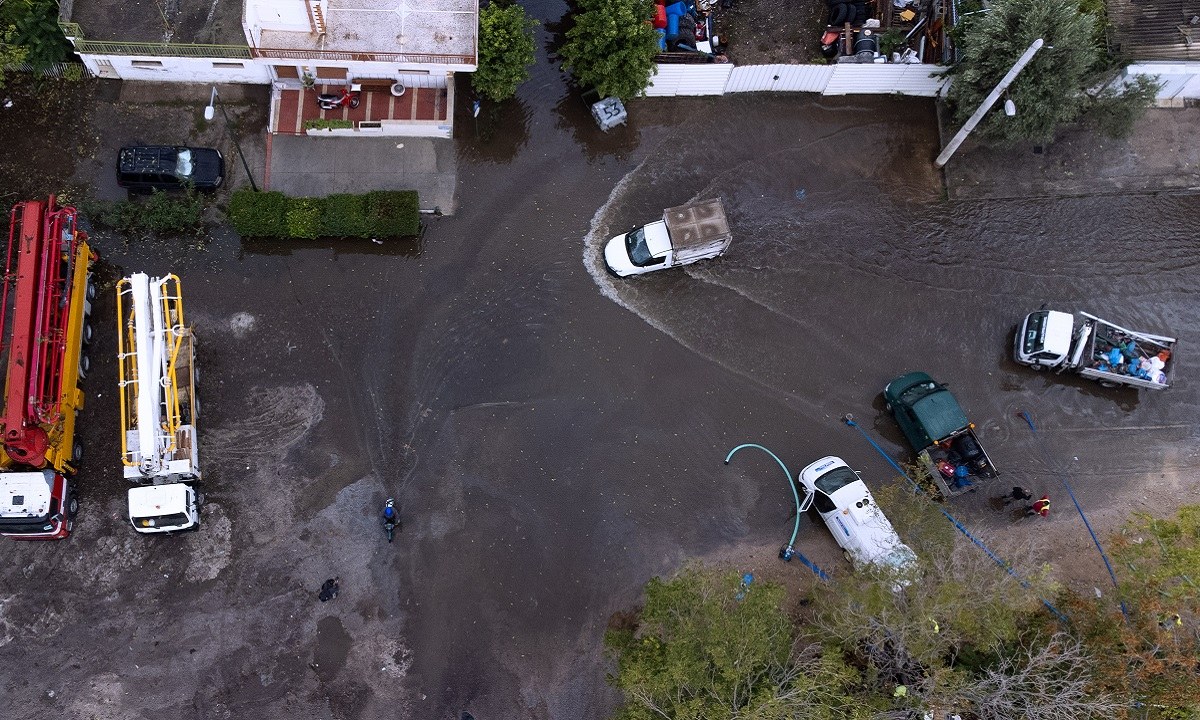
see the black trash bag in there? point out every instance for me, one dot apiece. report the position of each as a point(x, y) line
point(840, 13)
point(970, 452)
point(687, 29)
point(860, 14)
point(329, 590)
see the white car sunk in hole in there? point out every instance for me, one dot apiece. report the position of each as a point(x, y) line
point(849, 511)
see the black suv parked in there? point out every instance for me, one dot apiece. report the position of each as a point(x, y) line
point(165, 167)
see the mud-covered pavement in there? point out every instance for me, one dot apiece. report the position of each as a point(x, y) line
point(554, 436)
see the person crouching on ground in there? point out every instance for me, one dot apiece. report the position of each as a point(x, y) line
point(1041, 507)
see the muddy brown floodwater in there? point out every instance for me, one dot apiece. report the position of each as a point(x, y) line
point(554, 436)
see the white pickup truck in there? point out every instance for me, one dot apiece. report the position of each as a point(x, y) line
point(685, 234)
point(1096, 349)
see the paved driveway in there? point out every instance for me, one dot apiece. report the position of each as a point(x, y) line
point(316, 166)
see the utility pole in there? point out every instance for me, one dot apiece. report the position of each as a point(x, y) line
point(210, 112)
point(987, 103)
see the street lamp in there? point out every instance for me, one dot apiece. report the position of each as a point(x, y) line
point(988, 102)
point(210, 112)
point(787, 551)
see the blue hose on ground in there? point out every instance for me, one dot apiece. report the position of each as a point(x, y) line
point(849, 420)
point(796, 527)
point(1066, 485)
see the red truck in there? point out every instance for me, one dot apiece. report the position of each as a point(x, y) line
point(45, 305)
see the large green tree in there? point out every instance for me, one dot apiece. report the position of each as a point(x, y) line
point(10, 52)
point(34, 28)
point(958, 636)
point(612, 46)
point(704, 646)
point(1145, 637)
point(506, 50)
point(1059, 86)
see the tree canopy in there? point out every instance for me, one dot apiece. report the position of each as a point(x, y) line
point(506, 50)
point(964, 638)
point(1062, 84)
point(706, 646)
point(612, 46)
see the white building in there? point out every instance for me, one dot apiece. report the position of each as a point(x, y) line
point(294, 45)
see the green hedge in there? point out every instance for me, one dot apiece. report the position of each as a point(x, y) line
point(257, 214)
point(327, 123)
point(377, 214)
point(160, 213)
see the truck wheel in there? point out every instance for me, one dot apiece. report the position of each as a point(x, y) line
point(88, 334)
point(85, 364)
point(90, 293)
point(1038, 367)
point(72, 507)
point(76, 453)
point(1107, 384)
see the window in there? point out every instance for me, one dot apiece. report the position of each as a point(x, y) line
point(229, 65)
point(639, 251)
point(183, 163)
point(823, 503)
point(331, 73)
point(835, 480)
point(147, 63)
point(1035, 332)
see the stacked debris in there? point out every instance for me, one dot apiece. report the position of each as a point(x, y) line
point(685, 32)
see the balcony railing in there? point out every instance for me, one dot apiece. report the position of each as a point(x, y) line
point(347, 56)
point(244, 52)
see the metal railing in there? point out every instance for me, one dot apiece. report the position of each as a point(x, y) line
point(245, 52)
point(415, 58)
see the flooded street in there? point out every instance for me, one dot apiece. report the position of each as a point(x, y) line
point(554, 435)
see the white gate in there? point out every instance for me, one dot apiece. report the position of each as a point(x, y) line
point(779, 78)
point(1180, 80)
point(706, 79)
point(885, 79)
point(836, 79)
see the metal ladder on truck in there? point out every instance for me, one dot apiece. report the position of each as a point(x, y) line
point(156, 370)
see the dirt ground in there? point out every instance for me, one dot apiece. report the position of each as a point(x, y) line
point(46, 131)
point(760, 32)
point(554, 436)
point(63, 136)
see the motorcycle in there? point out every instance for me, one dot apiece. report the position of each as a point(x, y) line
point(391, 518)
point(349, 97)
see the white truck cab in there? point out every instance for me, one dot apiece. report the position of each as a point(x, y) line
point(1094, 348)
point(685, 234)
point(851, 514)
point(163, 508)
point(36, 505)
point(1045, 339)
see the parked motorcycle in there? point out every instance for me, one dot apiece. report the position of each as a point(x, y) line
point(391, 518)
point(349, 97)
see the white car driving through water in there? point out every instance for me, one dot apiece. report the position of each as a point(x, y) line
point(851, 514)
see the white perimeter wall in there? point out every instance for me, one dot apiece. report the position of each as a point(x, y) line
point(170, 69)
point(258, 71)
point(1181, 80)
point(837, 79)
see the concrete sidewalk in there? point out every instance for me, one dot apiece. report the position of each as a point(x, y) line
point(1161, 155)
point(304, 166)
